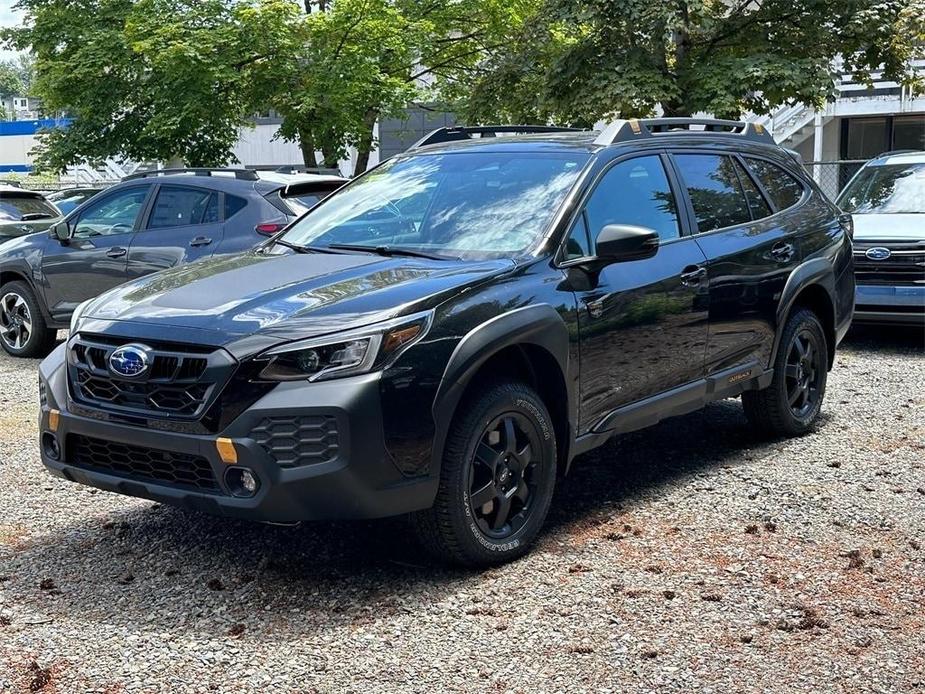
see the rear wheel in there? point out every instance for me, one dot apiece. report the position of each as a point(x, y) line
point(496, 481)
point(23, 332)
point(791, 404)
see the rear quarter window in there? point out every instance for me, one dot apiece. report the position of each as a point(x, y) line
point(785, 190)
point(233, 205)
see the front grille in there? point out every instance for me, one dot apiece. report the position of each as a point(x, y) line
point(178, 383)
point(142, 463)
point(904, 267)
point(297, 441)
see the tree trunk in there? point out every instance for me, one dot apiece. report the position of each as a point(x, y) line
point(366, 142)
point(307, 145)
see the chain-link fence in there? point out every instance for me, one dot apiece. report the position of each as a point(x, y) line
point(833, 176)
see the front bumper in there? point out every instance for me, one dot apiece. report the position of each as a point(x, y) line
point(361, 481)
point(886, 304)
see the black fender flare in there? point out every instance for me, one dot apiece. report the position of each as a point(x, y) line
point(538, 324)
point(815, 271)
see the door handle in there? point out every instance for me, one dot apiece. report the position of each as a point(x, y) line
point(116, 252)
point(782, 251)
point(692, 275)
point(200, 241)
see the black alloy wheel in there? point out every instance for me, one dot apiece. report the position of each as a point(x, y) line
point(503, 476)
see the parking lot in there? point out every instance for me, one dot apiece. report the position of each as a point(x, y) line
point(685, 557)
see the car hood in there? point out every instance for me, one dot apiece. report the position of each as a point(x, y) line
point(887, 227)
point(285, 297)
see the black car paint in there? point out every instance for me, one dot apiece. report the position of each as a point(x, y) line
point(614, 348)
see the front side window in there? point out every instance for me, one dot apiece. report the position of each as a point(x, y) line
point(479, 204)
point(17, 208)
point(637, 192)
point(887, 189)
point(115, 214)
point(784, 189)
point(180, 207)
point(714, 190)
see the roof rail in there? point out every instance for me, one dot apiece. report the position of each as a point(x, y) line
point(320, 170)
point(240, 174)
point(625, 130)
point(465, 132)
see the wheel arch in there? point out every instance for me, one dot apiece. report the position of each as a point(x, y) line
point(812, 286)
point(530, 344)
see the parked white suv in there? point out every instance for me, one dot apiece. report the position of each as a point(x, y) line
point(886, 199)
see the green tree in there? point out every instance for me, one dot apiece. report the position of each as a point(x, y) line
point(349, 63)
point(575, 61)
point(143, 79)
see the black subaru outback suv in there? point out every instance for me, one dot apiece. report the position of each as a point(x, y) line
point(444, 335)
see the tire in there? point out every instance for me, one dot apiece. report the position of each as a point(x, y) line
point(485, 473)
point(23, 331)
point(791, 404)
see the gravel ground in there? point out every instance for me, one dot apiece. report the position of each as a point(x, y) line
point(688, 557)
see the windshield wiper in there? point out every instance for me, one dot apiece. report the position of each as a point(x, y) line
point(303, 249)
point(390, 251)
point(32, 216)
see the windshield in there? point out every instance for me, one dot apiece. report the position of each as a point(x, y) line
point(13, 208)
point(888, 189)
point(461, 204)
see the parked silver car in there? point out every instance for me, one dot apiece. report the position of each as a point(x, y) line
point(886, 199)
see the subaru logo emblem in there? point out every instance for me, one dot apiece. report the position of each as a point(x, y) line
point(878, 253)
point(130, 361)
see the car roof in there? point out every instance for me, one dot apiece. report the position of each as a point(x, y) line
point(5, 188)
point(899, 157)
point(623, 134)
point(220, 181)
point(288, 179)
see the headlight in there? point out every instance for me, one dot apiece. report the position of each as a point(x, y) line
point(345, 354)
point(78, 312)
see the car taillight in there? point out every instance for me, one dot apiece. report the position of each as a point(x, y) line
point(269, 228)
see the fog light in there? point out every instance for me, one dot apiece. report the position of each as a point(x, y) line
point(241, 481)
point(51, 447)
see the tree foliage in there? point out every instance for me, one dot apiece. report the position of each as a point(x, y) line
point(143, 79)
point(578, 61)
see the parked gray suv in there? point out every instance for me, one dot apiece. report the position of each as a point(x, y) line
point(149, 222)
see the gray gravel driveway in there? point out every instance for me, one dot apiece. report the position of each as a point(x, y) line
point(688, 557)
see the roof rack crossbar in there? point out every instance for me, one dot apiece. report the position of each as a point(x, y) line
point(624, 130)
point(240, 174)
point(465, 132)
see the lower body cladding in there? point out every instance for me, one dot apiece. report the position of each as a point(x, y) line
point(886, 304)
point(304, 451)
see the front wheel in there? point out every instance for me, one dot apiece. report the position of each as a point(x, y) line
point(791, 404)
point(496, 480)
point(23, 332)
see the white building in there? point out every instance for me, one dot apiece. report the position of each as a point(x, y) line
point(860, 123)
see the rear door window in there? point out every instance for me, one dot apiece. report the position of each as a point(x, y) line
point(757, 203)
point(180, 207)
point(714, 190)
point(784, 189)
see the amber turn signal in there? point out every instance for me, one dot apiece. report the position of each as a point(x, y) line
point(226, 451)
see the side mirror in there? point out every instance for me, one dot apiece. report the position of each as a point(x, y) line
point(60, 232)
point(621, 242)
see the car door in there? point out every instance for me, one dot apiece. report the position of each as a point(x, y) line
point(94, 258)
point(750, 253)
point(642, 323)
point(183, 224)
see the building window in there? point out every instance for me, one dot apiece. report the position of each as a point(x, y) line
point(864, 138)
